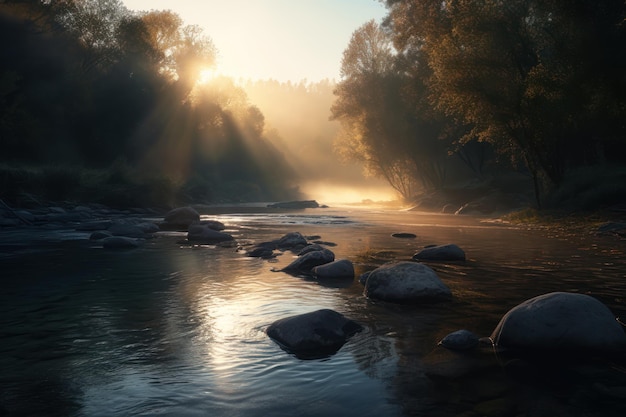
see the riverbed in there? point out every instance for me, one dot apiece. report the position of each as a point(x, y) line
point(172, 329)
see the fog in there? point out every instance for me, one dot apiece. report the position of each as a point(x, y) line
point(297, 122)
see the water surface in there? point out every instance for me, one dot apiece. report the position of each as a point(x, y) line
point(175, 330)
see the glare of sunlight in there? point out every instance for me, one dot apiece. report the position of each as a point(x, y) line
point(326, 193)
point(207, 75)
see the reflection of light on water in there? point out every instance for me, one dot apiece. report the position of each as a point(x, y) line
point(336, 194)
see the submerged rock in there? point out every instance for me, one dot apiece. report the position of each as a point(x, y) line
point(406, 282)
point(313, 335)
point(449, 252)
point(562, 322)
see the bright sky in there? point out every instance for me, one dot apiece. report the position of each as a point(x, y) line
point(280, 39)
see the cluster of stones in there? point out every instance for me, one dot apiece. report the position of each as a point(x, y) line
point(550, 323)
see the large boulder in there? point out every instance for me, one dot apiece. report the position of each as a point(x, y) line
point(405, 282)
point(342, 268)
point(312, 335)
point(449, 252)
point(180, 218)
point(202, 233)
point(560, 322)
point(310, 260)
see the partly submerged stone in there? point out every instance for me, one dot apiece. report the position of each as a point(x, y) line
point(180, 218)
point(119, 242)
point(406, 282)
point(404, 235)
point(299, 204)
point(460, 340)
point(449, 252)
point(201, 233)
point(291, 240)
point(313, 335)
point(342, 268)
point(310, 260)
point(560, 322)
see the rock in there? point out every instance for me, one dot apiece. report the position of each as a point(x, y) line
point(119, 242)
point(404, 235)
point(291, 240)
point(560, 322)
point(406, 282)
point(313, 335)
point(460, 340)
point(301, 204)
point(342, 268)
point(201, 233)
point(214, 224)
point(363, 277)
point(92, 226)
point(180, 218)
point(128, 230)
point(612, 228)
point(262, 250)
point(310, 260)
point(148, 227)
point(450, 252)
point(310, 248)
point(99, 234)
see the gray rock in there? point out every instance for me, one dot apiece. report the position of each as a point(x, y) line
point(99, 234)
point(313, 335)
point(92, 226)
point(128, 230)
point(119, 242)
point(562, 322)
point(301, 204)
point(342, 268)
point(450, 252)
point(310, 248)
point(310, 260)
point(180, 218)
point(148, 227)
point(200, 233)
point(291, 240)
point(460, 340)
point(404, 235)
point(406, 282)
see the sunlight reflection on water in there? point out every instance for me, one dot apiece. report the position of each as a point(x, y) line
point(179, 330)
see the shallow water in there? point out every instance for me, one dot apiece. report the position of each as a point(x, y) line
point(173, 330)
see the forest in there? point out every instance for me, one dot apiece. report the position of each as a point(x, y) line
point(102, 104)
point(537, 87)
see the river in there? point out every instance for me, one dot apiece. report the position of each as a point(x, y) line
point(176, 330)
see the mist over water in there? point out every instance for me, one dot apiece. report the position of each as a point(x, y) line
point(297, 123)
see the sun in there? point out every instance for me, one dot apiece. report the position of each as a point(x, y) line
point(206, 75)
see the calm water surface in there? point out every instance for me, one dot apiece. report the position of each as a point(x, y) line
point(173, 330)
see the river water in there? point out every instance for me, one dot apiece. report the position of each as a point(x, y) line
point(175, 330)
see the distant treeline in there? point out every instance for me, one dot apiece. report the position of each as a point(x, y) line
point(539, 83)
point(108, 101)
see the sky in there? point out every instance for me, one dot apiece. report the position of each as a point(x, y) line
point(285, 40)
